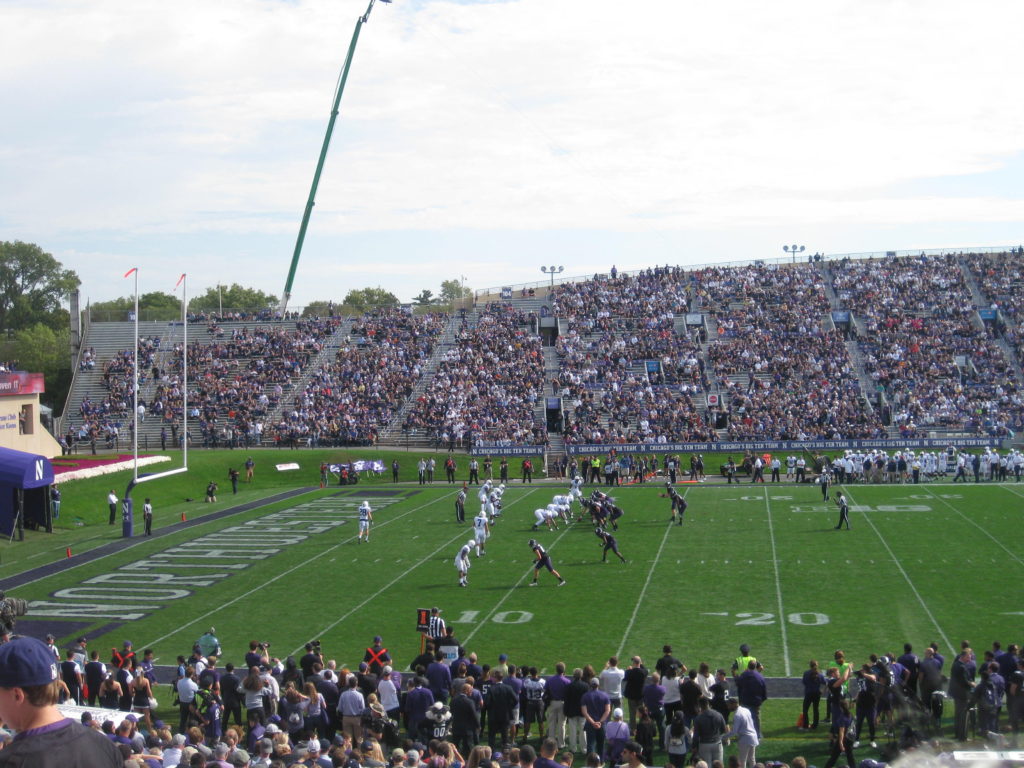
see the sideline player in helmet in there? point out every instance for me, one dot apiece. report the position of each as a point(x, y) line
point(365, 518)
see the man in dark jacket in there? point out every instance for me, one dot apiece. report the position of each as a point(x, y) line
point(752, 692)
point(633, 689)
point(499, 703)
point(961, 681)
point(575, 739)
point(465, 720)
point(229, 683)
point(708, 729)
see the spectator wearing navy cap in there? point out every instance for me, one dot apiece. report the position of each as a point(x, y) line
point(29, 684)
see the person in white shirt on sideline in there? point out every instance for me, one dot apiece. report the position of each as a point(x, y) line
point(744, 732)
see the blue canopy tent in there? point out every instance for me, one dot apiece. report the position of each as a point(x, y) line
point(25, 480)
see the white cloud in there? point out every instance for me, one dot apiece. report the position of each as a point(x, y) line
point(197, 119)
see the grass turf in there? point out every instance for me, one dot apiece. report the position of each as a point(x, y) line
point(755, 564)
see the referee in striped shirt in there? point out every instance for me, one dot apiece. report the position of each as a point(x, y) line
point(436, 627)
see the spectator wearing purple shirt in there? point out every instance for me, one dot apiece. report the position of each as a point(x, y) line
point(596, 709)
point(1008, 661)
point(548, 749)
point(555, 687)
point(417, 701)
point(910, 661)
point(654, 700)
point(440, 677)
point(516, 684)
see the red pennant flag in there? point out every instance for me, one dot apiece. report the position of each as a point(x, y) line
point(131, 271)
point(179, 280)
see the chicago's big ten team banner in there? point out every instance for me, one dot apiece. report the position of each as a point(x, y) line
point(785, 446)
point(21, 384)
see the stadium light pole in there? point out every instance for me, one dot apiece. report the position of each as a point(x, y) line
point(183, 282)
point(552, 271)
point(135, 381)
point(794, 250)
point(342, 79)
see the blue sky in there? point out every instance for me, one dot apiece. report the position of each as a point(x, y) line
point(484, 139)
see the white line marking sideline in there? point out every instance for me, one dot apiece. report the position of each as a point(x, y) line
point(647, 583)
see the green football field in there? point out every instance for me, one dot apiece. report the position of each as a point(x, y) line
point(754, 564)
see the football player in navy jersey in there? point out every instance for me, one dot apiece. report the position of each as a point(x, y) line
point(609, 542)
point(543, 561)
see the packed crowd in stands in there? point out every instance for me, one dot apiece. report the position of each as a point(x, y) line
point(236, 382)
point(460, 712)
point(629, 368)
point(661, 293)
point(487, 386)
point(612, 396)
point(266, 315)
point(350, 400)
point(616, 328)
point(925, 345)
point(783, 373)
point(1000, 277)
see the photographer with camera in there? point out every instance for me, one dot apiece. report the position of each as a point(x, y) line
point(257, 654)
point(313, 656)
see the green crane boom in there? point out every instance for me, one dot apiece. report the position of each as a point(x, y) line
point(323, 157)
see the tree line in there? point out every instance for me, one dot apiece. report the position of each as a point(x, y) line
point(35, 322)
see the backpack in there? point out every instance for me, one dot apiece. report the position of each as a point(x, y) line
point(987, 697)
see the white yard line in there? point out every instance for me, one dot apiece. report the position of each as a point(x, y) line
point(965, 517)
point(778, 586)
point(460, 535)
point(906, 576)
point(512, 589)
point(647, 583)
point(281, 575)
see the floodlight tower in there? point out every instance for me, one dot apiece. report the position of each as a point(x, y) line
point(794, 250)
point(323, 156)
point(552, 271)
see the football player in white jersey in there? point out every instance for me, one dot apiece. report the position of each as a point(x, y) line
point(576, 489)
point(365, 518)
point(481, 530)
point(484, 492)
point(545, 516)
point(462, 563)
point(493, 506)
